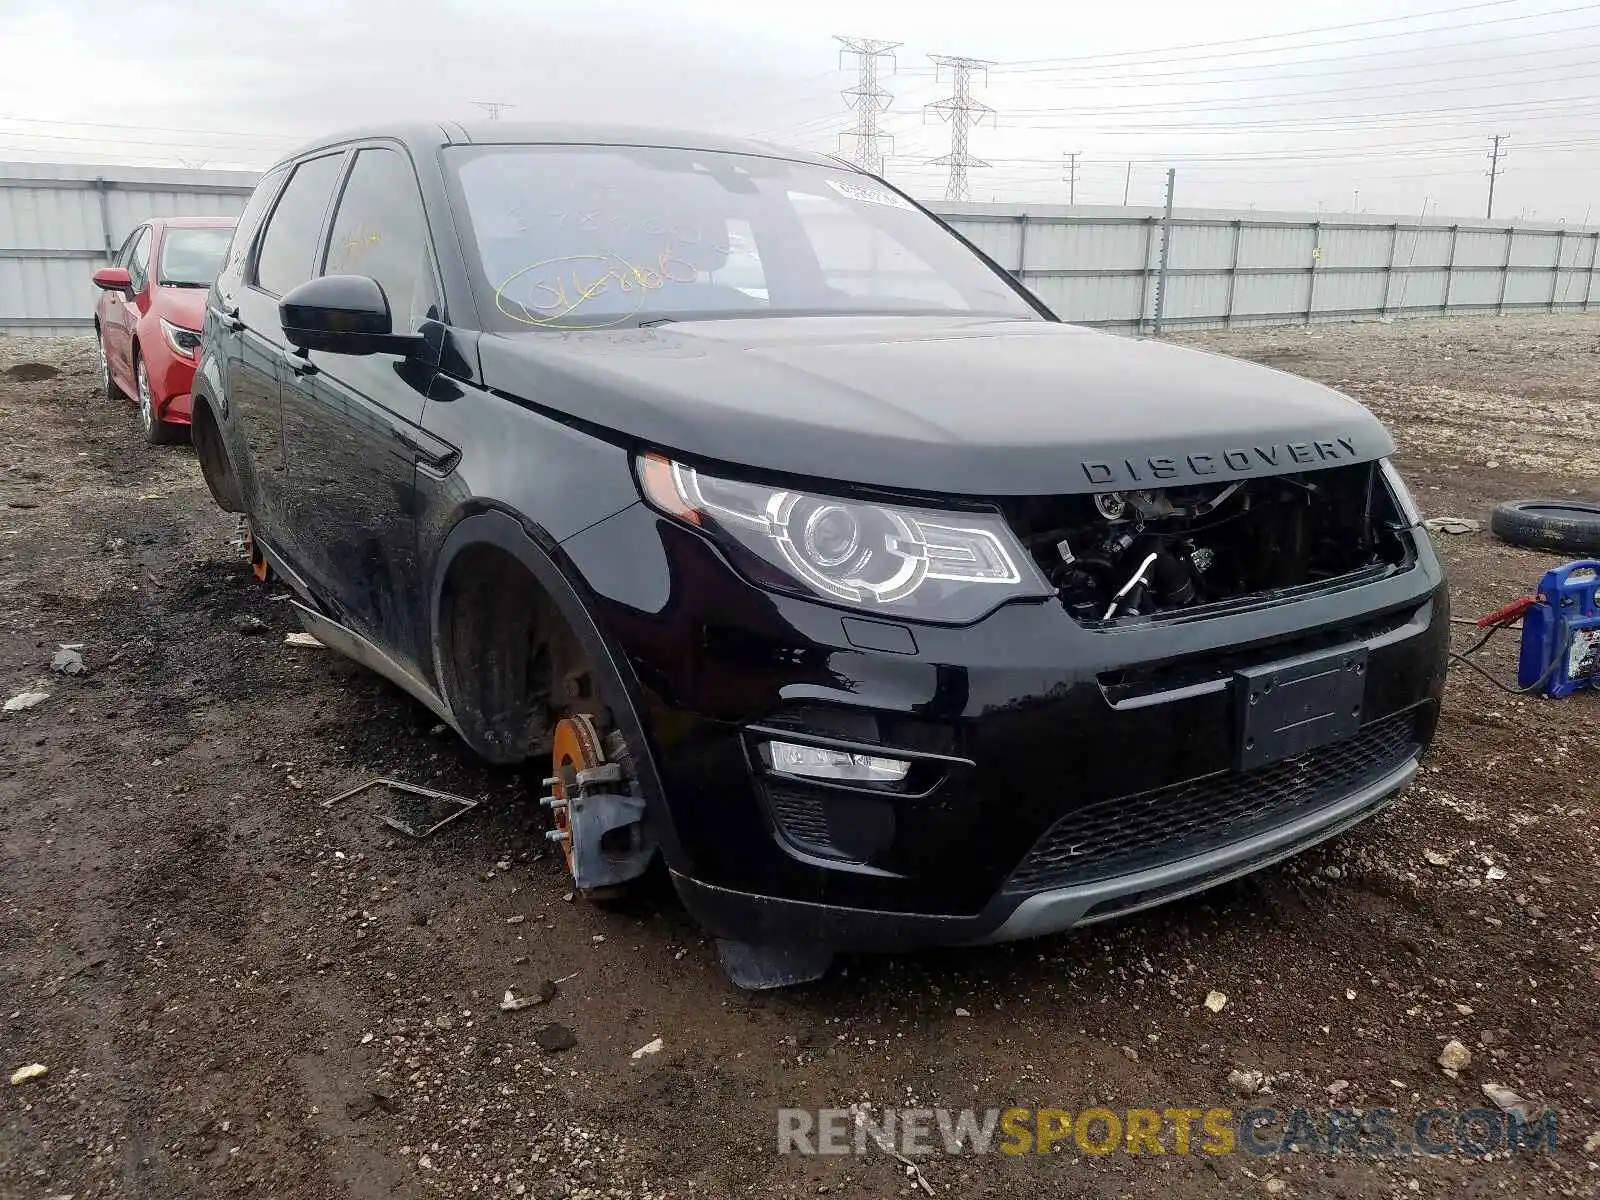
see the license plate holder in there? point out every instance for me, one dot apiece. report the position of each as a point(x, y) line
point(1286, 708)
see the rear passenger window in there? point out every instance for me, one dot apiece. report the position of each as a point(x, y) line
point(250, 219)
point(289, 247)
point(379, 232)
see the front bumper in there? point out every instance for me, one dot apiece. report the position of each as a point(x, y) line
point(749, 917)
point(171, 381)
point(177, 410)
point(1064, 775)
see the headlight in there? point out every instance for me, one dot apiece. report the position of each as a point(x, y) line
point(1403, 500)
point(184, 341)
point(918, 563)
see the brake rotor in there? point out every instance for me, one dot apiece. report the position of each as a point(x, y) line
point(576, 748)
point(258, 560)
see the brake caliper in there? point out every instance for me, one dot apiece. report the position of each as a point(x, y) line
point(599, 823)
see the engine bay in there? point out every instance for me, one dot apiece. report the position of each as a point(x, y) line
point(1112, 556)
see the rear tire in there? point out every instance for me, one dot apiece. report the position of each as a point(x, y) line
point(108, 385)
point(156, 431)
point(1565, 526)
point(215, 467)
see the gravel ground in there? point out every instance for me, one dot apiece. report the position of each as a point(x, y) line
point(240, 993)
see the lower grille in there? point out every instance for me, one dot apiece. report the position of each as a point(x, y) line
point(800, 814)
point(1129, 833)
point(846, 825)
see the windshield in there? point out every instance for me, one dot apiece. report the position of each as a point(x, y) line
point(193, 257)
point(595, 237)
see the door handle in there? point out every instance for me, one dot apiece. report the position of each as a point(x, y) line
point(229, 318)
point(300, 364)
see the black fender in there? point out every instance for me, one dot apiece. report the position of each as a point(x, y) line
point(613, 677)
point(207, 388)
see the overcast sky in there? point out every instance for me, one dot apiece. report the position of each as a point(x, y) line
point(1369, 105)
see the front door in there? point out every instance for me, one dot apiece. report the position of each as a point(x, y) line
point(258, 364)
point(124, 312)
point(108, 309)
point(351, 422)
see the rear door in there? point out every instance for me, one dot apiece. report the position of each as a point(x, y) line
point(351, 422)
point(284, 257)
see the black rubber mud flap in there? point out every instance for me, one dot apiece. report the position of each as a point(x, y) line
point(1565, 526)
point(757, 968)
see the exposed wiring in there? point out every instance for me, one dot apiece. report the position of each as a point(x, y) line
point(1138, 578)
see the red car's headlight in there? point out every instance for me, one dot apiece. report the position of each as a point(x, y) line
point(184, 342)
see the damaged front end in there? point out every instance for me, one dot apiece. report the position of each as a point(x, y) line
point(1120, 556)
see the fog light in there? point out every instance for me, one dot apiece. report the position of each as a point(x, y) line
point(817, 762)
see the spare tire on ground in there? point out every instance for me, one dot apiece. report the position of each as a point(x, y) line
point(1565, 526)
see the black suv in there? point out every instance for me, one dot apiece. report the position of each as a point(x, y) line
point(810, 551)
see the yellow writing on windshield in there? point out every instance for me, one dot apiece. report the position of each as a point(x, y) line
point(558, 287)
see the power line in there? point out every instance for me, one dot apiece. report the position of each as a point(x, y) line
point(1086, 62)
point(1428, 147)
point(1477, 84)
point(1082, 77)
point(101, 156)
point(962, 112)
point(1136, 74)
point(1565, 107)
point(1494, 172)
point(786, 99)
point(149, 128)
point(1195, 79)
point(826, 122)
point(867, 99)
point(1039, 168)
point(127, 141)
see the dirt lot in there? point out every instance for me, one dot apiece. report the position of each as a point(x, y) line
point(240, 993)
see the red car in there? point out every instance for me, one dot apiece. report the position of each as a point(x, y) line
point(148, 318)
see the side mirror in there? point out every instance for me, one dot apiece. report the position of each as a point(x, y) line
point(343, 314)
point(113, 279)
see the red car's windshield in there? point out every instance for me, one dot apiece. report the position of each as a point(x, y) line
point(592, 237)
point(192, 257)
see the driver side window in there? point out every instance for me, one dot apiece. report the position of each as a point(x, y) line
point(379, 231)
point(139, 260)
point(125, 251)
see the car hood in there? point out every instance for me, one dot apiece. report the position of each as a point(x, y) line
point(945, 404)
point(184, 306)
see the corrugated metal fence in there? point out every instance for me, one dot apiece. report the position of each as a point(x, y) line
point(1091, 265)
point(57, 223)
point(1102, 266)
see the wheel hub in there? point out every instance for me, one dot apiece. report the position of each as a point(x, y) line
point(576, 749)
point(146, 413)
